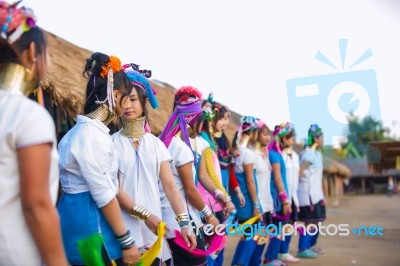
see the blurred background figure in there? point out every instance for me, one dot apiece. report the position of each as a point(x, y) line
point(29, 225)
point(390, 186)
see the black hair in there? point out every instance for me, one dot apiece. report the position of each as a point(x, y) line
point(9, 53)
point(96, 88)
point(143, 100)
point(289, 135)
point(234, 141)
point(207, 126)
point(35, 35)
point(247, 132)
point(263, 128)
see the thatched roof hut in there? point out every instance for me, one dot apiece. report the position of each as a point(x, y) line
point(65, 87)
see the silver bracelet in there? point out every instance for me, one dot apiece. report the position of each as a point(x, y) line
point(206, 211)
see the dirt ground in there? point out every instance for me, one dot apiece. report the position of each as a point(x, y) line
point(370, 210)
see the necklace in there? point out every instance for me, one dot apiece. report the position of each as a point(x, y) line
point(134, 128)
point(17, 79)
point(102, 113)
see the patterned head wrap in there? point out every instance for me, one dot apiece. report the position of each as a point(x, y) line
point(261, 124)
point(247, 123)
point(15, 21)
point(187, 110)
point(211, 108)
point(280, 131)
point(313, 132)
point(140, 79)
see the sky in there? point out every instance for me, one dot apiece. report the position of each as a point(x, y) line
point(301, 61)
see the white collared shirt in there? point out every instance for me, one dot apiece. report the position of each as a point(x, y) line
point(89, 161)
point(292, 164)
point(246, 156)
point(181, 155)
point(310, 182)
point(23, 123)
point(139, 171)
point(263, 177)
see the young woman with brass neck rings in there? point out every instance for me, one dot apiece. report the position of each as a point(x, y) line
point(219, 157)
point(29, 225)
point(310, 192)
point(292, 165)
point(216, 121)
point(279, 190)
point(89, 167)
point(245, 170)
point(176, 136)
point(144, 165)
point(263, 180)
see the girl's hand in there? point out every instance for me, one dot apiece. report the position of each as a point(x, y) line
point(212, 220)
point(152, 223)
point(256, 211)
point(190, 238)
point(287, 209)
point(221, 199)
point(241, 198)
point(131, 256)
point(229, 209)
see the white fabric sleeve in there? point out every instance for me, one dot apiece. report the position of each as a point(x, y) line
point(309, 156)
point(249, 157)
point(182, 154)
point(162, 151)
point(37, 127)
point(94, 158)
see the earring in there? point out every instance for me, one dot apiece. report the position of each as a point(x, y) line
point(34, 60)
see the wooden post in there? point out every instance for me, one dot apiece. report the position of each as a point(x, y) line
point(325, 187)
point(363, 185)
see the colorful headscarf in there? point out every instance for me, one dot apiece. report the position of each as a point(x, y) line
point(140, 79)
point(211, 108)
point(187, 110)
point(280, 131)
point(261, 124)
point(15, 21)
point(313, 132)
point(247, 123)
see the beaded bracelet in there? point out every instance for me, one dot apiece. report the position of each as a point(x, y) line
point(283, 196)
point(184, 223)
point(126, 241)
point(257, 205)
point(140, 212)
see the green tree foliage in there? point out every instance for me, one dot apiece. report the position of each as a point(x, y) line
point(360, 132)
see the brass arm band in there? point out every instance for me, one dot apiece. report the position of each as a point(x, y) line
point(140, 212)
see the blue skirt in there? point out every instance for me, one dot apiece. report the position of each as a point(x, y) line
point(245, 212)
point(225, 178)
point(81, 218)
